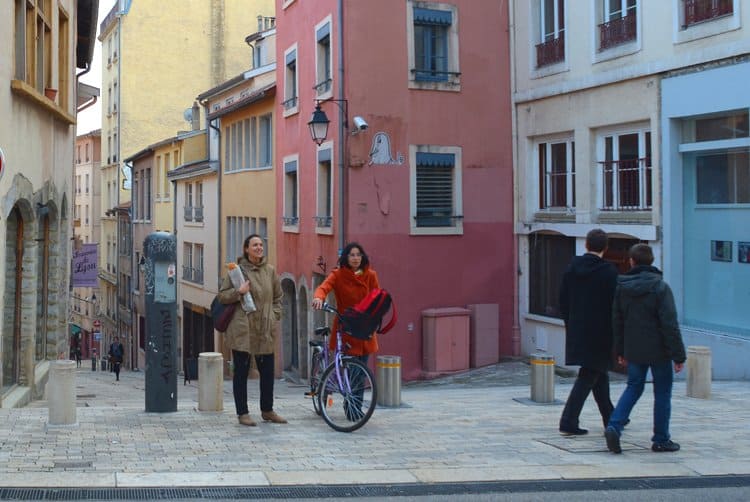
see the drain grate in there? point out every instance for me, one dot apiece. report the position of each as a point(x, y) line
point(376, 491)
point(586, 444)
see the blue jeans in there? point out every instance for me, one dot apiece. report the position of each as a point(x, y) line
point(663, 377)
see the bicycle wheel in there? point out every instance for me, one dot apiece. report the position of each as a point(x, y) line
point(347, 396)
point(316, 371)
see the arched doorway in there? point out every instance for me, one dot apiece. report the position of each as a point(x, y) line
point(14, 251)
point(289, 345)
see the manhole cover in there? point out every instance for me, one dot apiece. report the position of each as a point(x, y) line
point(586, 444)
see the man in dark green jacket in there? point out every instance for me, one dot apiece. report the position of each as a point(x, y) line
point(646, 336)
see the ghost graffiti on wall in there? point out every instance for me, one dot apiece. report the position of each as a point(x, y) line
point(380, 152)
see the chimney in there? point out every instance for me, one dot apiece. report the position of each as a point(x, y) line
point(195, 117)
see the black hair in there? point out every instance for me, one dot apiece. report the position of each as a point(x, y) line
point(344, 258)
point(596, 240)
point(641, 254)
point(247, 243)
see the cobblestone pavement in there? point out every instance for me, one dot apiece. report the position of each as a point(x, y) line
point(474, 426)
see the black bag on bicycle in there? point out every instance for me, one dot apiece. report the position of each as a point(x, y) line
point(366, 317)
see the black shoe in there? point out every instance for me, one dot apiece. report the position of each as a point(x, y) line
point(574, 432)
point(667, 446)
point(613, 440)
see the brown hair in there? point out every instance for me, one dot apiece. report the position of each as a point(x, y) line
point(642, 254)
point(596, 240)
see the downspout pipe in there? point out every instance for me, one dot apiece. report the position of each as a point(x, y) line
point(210, 124)
point(343, 179)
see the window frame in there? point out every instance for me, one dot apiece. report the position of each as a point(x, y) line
point(603, 15)
point(646, 179)
point(324, 59)
point(290, 104)
point(457, 189)
point(324, 195)
point(452, 82)
point(538, 38)
point(543, 184)
point(683, 33)
point(290, 221)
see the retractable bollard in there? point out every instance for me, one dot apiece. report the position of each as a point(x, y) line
point(388, 380)
point(699, 372)
point(159, 250)
point(61, 393)
point(542, 378)
point(210, 381)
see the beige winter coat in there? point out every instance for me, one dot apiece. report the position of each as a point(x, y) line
point(255, 332)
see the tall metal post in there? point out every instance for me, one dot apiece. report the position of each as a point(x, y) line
point(160, 252)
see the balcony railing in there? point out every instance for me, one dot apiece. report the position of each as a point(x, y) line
point(192, 274)
point(290, 103)
point(324, 86)
point(188, 213)
point(626, 185)
point(697, 11)
point(323, 221)
point(198, 213)
point(550, 52)
point(290, 220)
point(616, 32)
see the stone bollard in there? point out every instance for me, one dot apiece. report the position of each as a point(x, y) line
point(210, 381)
point(542, 378)
point(699, 372)
point(61, 393)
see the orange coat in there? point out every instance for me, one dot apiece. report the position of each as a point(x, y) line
point(348, 289)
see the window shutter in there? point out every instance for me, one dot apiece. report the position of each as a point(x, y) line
point(435, 189)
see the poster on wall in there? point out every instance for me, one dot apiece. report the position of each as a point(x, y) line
point(721, 250)
point(743, 252)
point(85, 266)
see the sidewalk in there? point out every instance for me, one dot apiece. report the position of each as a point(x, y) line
point(463, 428)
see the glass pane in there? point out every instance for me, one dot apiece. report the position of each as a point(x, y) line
point(727, 127)
point(713, 179)
point(558, 176)
point(549, 20)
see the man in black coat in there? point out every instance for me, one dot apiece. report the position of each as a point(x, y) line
point(646, 337)
point(586, 294)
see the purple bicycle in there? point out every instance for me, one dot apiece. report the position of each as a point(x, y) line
point(342, 387)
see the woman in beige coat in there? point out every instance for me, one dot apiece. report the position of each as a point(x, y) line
point(254, 333)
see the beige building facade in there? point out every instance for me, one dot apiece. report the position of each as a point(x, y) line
point(588, 93)
point(156, 57)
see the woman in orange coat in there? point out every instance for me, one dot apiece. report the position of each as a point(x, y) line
point(350, 283)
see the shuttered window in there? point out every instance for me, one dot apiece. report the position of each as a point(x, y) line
point(435, 187)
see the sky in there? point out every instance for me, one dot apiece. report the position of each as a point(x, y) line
point(91, 118)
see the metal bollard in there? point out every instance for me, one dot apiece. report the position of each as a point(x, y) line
point(93, 363)
point(699, 372)
point(61, 393)
point(388, 380)
point(210, 381)
point(542, 378)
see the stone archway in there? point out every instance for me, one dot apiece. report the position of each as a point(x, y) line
point(289, 340)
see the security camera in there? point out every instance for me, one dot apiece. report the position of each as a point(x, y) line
point(360, 124)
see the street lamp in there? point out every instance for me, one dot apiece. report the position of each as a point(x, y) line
point(318, 125)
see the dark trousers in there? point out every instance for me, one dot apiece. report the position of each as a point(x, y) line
point(116, 369)
point(265, 364)
point(589, 380)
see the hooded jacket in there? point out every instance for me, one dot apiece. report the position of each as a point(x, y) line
point(586, 295)
point(644, 318)
point(348, 289)
point(255, 332)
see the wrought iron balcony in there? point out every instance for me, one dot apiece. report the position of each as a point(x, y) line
point(198, 213)
point(551, 51)
point(697, 11)
point(616, 32)
point(290, 220)
point(323, 221)
point(188, 213)
point(626, 185)
point(290, 103)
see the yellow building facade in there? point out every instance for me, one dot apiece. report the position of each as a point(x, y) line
point(156, 57)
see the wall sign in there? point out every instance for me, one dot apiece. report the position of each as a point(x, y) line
point(721, 250)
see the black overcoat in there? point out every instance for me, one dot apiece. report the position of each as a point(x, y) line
point(586, 295)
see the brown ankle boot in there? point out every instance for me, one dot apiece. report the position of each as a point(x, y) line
point(272, 416)
point(246, 420)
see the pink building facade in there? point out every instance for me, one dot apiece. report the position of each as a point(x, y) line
point(419, 172)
